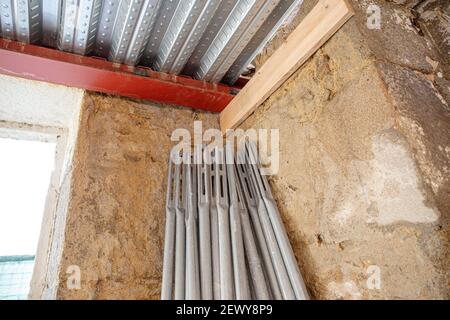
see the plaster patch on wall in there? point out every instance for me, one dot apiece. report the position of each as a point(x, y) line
point(393, 187)
point(344, 290)
point(344, 213)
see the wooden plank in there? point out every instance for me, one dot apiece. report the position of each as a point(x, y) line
point(316, 28)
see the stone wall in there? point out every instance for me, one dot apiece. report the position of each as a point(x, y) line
point(364, 174)
point(115, 220)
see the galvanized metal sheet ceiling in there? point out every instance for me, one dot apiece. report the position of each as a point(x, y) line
point(211, 40)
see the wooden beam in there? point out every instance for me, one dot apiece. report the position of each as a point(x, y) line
point(316, 28)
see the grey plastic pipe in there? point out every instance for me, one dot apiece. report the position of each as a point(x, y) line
point(259, 288)
point(204, 194)
point(251, 200)
point(287, 253)
point(214, 234)
point(241, 283)
point(225, 256)
point(169, 239)
point(275, 252)
point(192, 263)
point(180, 237)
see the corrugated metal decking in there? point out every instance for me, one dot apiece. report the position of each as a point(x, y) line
point(211, 40)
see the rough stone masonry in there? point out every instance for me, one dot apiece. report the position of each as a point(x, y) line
point(364, 181)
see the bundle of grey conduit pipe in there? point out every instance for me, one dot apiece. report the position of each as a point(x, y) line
point(224, 236)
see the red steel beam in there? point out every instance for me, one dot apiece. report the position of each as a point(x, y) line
point(43, 64)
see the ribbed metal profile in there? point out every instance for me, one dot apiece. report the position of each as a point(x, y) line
point(21, 20)
point(211, 40)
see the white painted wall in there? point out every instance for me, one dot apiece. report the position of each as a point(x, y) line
point(38, 103)
point(34, 110)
